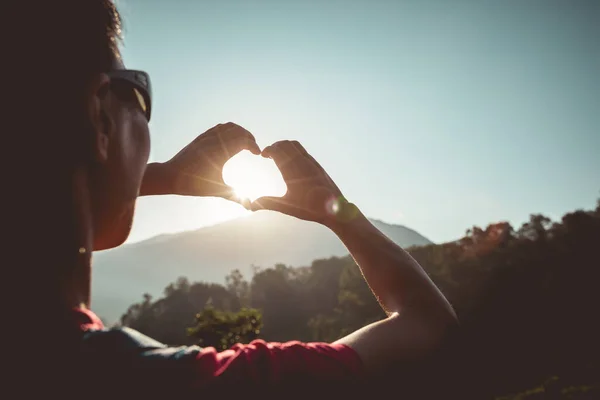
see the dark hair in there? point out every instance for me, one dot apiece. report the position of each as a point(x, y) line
point(52, 50)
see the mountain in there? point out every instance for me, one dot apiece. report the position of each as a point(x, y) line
point(122, 275)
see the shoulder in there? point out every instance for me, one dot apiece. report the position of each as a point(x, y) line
point(130, 348)
point(137, 358)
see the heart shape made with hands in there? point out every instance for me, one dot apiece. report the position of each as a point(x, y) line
point(253, 176)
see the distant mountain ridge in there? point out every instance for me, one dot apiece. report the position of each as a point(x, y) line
point(122, 275)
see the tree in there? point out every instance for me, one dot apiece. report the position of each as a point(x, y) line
point(238, 286)
point(223, 329)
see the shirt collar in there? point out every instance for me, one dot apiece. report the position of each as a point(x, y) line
point(86, 319)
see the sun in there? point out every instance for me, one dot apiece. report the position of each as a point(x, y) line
point(253, 176)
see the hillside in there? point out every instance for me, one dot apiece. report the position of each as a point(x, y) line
point(122, 275)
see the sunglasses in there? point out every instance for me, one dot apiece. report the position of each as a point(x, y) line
point(140, 83)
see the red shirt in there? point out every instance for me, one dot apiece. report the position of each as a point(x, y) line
point(136, 359)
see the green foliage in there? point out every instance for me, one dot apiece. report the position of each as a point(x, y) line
point(223, 329)
point(167, 318)
point(527, 299)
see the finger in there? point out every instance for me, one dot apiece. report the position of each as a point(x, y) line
point(283, 150)
point(221, 128)
point(220, 151)
point(212, 132)
point(288, 159)
point(282, 153)
point(299, 148)
point(306, 154)
point(233, 133)
point(269, 203)
point(234, 146)
point(230, 194)
point(224, 191)
point(246, 203)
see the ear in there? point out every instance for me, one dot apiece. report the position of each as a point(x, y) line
point(101, 122)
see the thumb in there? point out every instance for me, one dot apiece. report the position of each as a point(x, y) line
point(229, 193)
point(268, 203)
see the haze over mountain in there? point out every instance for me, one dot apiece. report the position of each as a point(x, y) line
point(122, 275)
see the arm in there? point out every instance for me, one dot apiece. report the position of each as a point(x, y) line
point(418, 313)
point(395, 278)
point(155, 182)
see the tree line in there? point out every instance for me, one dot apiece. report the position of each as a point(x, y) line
point(526, 297)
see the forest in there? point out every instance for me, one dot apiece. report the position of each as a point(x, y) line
point(527, 299)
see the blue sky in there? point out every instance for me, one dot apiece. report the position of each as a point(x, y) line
point(438, 115)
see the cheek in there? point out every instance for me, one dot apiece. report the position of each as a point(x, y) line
point(136, 151)
point(138, 146)
point(143, 140)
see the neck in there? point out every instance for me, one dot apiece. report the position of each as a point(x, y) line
point(67, 244)
point(76, 286)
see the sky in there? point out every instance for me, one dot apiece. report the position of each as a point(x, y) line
point(437, 115)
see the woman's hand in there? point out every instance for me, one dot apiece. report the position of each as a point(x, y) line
point(197, 170)
point(311, 193)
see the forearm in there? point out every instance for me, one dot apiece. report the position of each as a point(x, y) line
point(155, 182)
point(396, 279)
